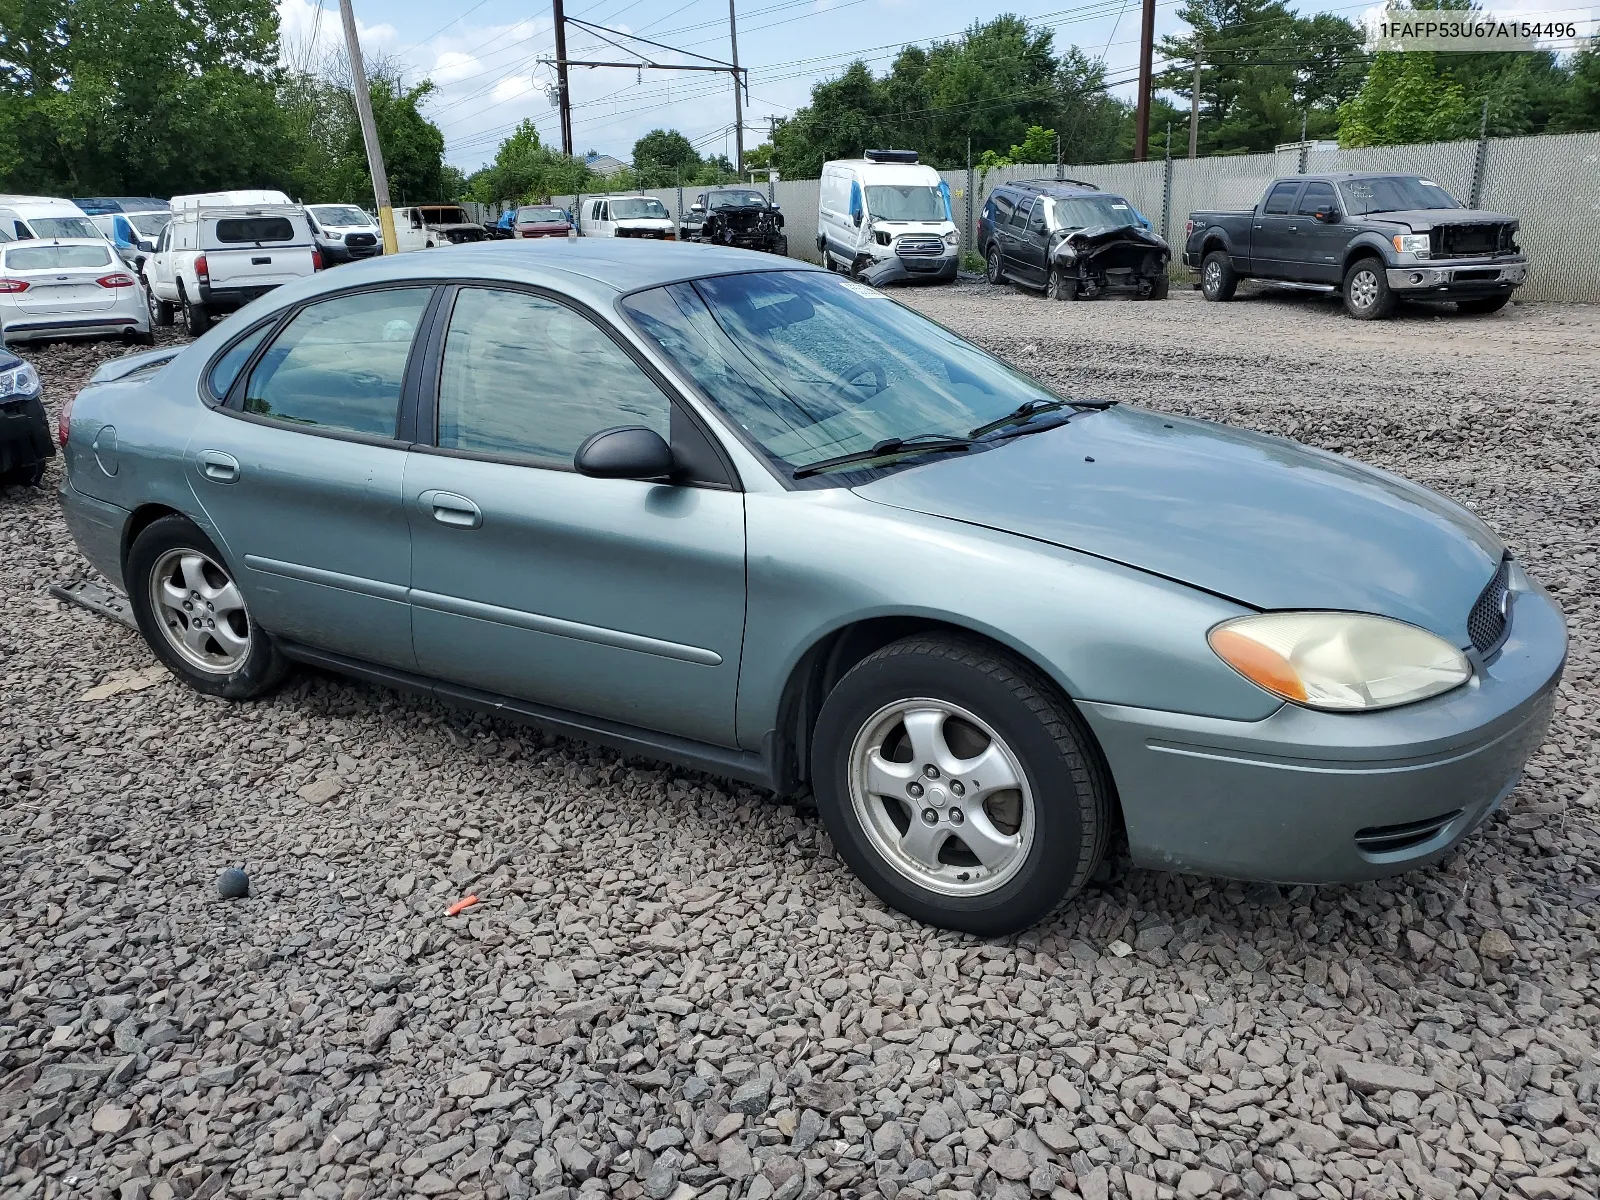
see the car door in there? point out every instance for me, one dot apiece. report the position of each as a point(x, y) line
point(1317, 246)
point(158, 267)
point(1273, 236)
point(299, 470)
point(1031, 242)
point(615, 598)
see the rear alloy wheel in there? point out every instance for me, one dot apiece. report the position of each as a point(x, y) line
point(959, 786)
point(196, 320)
point(993, 268)
point(1059, 287)
point(1218, 279)
point(1366, 291)
point(194, 617)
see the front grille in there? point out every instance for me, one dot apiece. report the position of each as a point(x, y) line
point(1392, 839)
point(1471, 241)
point(1489, 619)
point(923, 245)
point(357, 240)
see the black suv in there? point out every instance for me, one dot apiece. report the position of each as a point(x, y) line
point(1072, 239)
point(735, 216)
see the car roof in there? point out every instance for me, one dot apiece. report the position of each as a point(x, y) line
point(1325, 176)
point(1056, 187)
point(595, 267)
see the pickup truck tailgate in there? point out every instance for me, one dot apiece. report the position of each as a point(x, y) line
point(258, 266)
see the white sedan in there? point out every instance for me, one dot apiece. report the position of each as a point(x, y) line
point(69, 288)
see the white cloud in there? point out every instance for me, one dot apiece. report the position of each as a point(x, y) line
point(453, 65)
point(309, 30)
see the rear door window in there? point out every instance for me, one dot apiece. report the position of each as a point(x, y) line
point(1281, 200)
point(339, 363)
point(250, 230)
point(1019, 218)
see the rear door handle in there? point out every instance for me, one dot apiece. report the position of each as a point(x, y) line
point(447, 508)
point(219, 467)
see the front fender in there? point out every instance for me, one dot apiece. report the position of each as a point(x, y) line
point(820, 561)
point(1364, 245)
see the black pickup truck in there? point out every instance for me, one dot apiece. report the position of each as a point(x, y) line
point(1374, 238)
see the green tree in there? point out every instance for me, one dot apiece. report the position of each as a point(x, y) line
point(663, 157)
point(1578, 109)
point(524, 169)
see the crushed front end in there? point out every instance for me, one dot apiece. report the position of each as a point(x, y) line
point(1111, 259)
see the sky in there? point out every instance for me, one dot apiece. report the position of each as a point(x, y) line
point(483, 56)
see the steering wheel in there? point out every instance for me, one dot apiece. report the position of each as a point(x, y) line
point(866, 365)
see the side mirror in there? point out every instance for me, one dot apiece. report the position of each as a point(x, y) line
point(697, 208)
point(1328, 216)
point(627, 452)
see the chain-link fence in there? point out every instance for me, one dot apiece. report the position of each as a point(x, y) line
point(1550, 182)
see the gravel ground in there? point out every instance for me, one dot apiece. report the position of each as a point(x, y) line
point(670, 987)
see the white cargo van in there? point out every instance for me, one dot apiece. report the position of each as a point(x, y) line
point(627, 217)
point(887, 217)
point(223, 249)
point(23, 217)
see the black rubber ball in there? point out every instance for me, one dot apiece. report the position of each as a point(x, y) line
point(233, 884)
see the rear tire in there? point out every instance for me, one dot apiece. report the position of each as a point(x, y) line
point(235, 657)
point(196, 320)
point(993, 266)
point(1218, 279)
point(969, 712)
point(1489, 304)
point(1366, 291)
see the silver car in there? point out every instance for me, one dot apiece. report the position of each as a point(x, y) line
point(69, 288)
point(753, 518)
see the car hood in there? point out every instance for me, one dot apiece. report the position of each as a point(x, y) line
point(1260, 520)
point(1420, 220)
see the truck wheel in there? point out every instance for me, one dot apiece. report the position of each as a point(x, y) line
point(1366, 291)
point(164, 311)
point(1060, 287)
point(196, 320)
point(781, 247)
point(1218, 279)
point(1158, 288)
point(959, 785)
point(1489, 304)
point(993, 269)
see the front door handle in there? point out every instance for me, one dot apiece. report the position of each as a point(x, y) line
point(447, 508)
point(219, 467)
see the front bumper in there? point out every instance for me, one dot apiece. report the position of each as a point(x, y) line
point(896, 269)
point(1453, 278)
point(1315, 797)
point(24, 434)
point(337, 252)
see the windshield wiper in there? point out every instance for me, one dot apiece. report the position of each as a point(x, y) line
point(1029, 409)
point(922, 443)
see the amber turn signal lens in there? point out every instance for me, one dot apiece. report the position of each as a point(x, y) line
point(1261, 665)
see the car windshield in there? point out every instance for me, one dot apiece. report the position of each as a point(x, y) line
point(149, 224)
point(921, 202)
point(1090, 212)
point(737, 200)
point(63, 227)
point(811, 366)
point(445, 215)
point(56, 258)
point(339, 215)
point(637, 206)
point(541, 216)
point(1394, 193)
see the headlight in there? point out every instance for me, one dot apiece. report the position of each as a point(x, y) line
point(952, 238)
point(1411, 243)
point(1342, 662)
point(19, 381)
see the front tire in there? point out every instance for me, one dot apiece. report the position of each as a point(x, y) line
point(1059, 287)
point(959, 786)
point(1366, 291)
point(165, 311)
point(781, 247)
point(1218, 279)
point(1159, 288)
point(993, 266)
point(1489, 304)
point(194, 617)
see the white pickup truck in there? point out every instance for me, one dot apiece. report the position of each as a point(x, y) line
point(223, 249)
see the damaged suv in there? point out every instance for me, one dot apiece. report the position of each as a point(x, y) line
point(1071, 239)
point(735, 216)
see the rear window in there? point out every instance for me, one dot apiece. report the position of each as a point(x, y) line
point(255, 229)
point(63, 227)
point(56, 258)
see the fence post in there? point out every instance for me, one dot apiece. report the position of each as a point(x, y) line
point(971, 230)
point(1482, 160)
point(1305, 147)
point(1166, 195)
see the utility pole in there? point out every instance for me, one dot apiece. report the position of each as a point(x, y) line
point(369, 129)
point(1194, 101)
point(563, 96)
point(738, 101)
point(1147, 37)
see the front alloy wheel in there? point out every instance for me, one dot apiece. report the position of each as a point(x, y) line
point(1366, 291)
